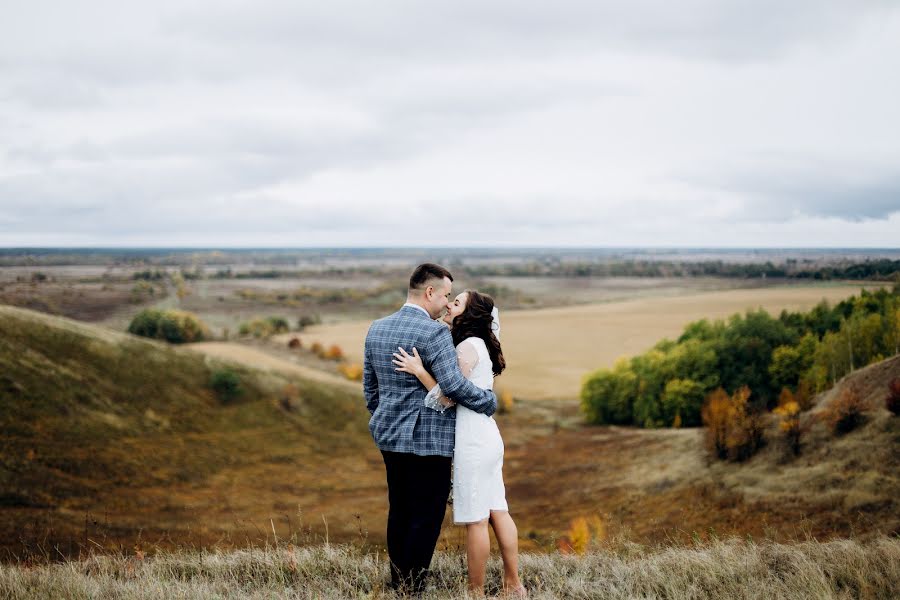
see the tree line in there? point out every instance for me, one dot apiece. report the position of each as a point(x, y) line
point(874, 270)
point(802, 352)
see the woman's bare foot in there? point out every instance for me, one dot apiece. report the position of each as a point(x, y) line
point(516, 591)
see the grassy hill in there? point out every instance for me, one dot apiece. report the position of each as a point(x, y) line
point(113, 441)
point(105, 434)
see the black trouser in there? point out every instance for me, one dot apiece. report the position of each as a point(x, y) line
point(418, 487)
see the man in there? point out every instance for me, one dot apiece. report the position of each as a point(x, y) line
point(416, 441)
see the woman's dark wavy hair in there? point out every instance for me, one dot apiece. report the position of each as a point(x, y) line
point(475, 321)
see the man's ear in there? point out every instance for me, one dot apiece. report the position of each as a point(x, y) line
point(429, 292)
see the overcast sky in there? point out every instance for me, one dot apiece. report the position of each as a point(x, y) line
point(586, 123)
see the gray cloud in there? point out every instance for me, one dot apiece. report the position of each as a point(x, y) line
point(782, 196)
point(282, 117)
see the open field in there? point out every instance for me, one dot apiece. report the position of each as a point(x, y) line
point(549, 350)
point(726, 570)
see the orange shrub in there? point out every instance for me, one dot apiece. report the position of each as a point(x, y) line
point(733, 431)
point(318, 349)
point(334, 353)
point(581, 533)
point(789, 422)
point(504, 402)
point(352, 371)
point(846, 413)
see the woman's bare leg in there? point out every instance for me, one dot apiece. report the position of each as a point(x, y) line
point(508, 539)
point(478, 548)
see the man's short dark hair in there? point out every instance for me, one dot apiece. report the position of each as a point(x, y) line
point(425, 273)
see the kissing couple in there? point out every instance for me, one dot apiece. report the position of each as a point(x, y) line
point(428, 387)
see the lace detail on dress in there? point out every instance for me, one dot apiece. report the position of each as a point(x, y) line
point(467, 356)
point(433, 399)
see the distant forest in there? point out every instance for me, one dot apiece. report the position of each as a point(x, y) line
point(878, 270)
point(818, 265)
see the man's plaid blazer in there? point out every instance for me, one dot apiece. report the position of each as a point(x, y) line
point(400, 420)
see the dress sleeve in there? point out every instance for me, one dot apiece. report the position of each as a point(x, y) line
point(467, 356)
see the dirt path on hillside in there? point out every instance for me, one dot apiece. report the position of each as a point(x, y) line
point(260, 359)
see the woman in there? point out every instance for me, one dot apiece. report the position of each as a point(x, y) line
point(479, 496)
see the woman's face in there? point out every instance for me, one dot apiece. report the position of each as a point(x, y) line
point(455, 308)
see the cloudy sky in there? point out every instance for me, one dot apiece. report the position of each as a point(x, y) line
point(586, 123)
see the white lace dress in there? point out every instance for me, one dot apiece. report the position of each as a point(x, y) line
point(478, 456)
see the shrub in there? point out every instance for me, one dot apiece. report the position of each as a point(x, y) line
point(145, 323)
point(607, 396)
point(295, 343)
point(352, 371)
point(581, 533)
point(788, 413)
point(318, 349)
point(174, 326)
point(846, 413)
point(265, 327)
point(733, 430)
point(334, 352)
point(504, 402)
point(278, 324)
point(892, 402)
point(226, 384)
point(307, 320)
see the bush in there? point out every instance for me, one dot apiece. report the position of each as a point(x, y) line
point(226, 384)
point(307, 320)
point(788, 412)
point(318, 349)
point(334, 352)
point(607, 396)
point(173, 326)
point(295, 343)
point(352, 371)
point(846, 413)
point(892, 402)
point(504, 402)
point(278, 324)
point(265, 327)
point(733, 430)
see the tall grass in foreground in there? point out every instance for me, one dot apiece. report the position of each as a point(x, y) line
point(729, 569)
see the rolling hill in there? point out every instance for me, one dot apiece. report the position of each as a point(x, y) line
point(106, 434)
point(113, 441)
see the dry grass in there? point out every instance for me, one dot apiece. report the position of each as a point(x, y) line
point(549, 350)
point(731, 569)
point(91, 460)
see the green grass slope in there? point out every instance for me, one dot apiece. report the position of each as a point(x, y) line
point(90, 416)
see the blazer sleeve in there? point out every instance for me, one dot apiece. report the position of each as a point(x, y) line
point(441, 358)
point(370, 380)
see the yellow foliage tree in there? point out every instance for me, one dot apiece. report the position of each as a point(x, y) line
point(733, 430)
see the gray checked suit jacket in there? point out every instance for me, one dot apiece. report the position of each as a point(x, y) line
point(400, 420)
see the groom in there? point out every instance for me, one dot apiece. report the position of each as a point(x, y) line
point(416, 441)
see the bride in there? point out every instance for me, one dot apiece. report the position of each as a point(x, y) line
point(479, 496)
